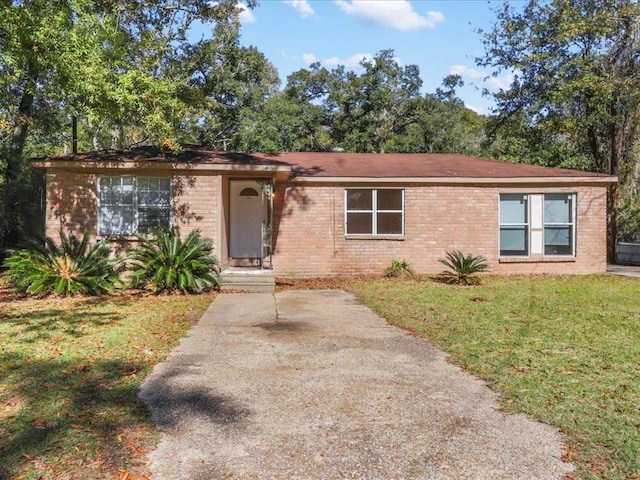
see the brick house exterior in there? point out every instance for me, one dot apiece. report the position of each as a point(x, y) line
point(319, 214)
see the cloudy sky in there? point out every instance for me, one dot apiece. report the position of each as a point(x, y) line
point(439, 36)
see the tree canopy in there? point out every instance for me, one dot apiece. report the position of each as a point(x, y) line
point(575, 98)
point(131, 74)
point(117, 65)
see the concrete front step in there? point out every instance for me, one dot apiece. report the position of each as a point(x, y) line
point(249, 280)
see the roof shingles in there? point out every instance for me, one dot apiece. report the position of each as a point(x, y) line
point(341, 165)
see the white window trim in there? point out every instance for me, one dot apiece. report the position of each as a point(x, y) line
point(530, 221)
point(573, 197)
point(136, 210)
point(526, 224)
point(373, 212)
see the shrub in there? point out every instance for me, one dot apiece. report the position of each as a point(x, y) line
point(74, 267)
point(398, 268)
point(464, 267)
point(163, 262)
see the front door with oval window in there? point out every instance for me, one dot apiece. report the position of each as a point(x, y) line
point(245, 222)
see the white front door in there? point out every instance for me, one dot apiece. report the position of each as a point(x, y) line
point(245, 220)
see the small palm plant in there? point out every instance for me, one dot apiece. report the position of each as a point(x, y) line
point(163, 262)
point(464, 267)
point(398, 268)
point(71, 268)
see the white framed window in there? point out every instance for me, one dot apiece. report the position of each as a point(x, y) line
point(128, 205)
point(514, 225)
point(559, 224)
point(374, 212)
point(539, 224)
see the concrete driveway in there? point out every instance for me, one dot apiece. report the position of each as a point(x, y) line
point(311, 385)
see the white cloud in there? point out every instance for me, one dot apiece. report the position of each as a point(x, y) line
point(246, 15)
point(350, 62)
point(502, 83)
point(398, 14)
point(309, 58)
point(302, 6)
point(484, 110)
point(492, 83)
point(466, 72)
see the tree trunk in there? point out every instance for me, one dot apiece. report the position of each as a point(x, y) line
point(615, 155)
point(12, 227)
point(612, 223)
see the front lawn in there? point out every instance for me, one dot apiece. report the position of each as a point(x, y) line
point(565, 350)
point(70, 370)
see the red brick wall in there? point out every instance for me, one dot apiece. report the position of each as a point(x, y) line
point(309, 224)
point(72, 203)
point(438, 219)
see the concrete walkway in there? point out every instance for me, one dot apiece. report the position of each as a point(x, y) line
point(624, 270)
point(311, 385)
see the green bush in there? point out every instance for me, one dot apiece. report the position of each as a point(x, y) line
point(398, 268)
point(464, 267)
point(163, 262)
point(71, 268)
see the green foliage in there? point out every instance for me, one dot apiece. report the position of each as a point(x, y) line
point(629, 217)
point(164, 262)
point(575, 95)
point(464, 267)
point(71, 268)
point(71, 371)
point(128, 71)
point(398, 268)
point(564, 350)
point(382, 110)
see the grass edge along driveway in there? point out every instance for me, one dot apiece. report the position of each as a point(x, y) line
point(564, 350)
point(70, 370)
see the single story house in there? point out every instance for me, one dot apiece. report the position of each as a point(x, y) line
point(330, 213)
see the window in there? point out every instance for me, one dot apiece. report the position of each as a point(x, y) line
point(128, 205)
point(558, 224)
point(378, 212)
point(537, 224)
point(514, 225)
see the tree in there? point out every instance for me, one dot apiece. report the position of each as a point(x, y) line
point(439, 122)
point(107, 62)
point(282, 125)
point(370, 109)
point(576, 88)
point(227, 81)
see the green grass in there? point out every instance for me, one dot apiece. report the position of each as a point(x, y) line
point(70, 370)
point(564, 350)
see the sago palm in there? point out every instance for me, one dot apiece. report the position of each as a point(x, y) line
point(73, 267)
point(464, 267)
point(163, 262)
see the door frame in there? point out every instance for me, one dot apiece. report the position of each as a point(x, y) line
point(264, 186)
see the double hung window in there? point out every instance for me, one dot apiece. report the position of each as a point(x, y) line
point(514, 225)
point(537, 224)
point(129, 205)
point(374, 211)
point(558, 224)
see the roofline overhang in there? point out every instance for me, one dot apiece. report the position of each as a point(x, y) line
point(280, 172)
point(283, 173)
point(462, 180)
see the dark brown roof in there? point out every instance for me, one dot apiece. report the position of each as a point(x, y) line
point(340, 165)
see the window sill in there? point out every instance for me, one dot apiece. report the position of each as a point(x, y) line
point(375, 237)
point(117, 238)
point(550, 259)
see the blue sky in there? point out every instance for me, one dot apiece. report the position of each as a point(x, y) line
point(438, 36)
